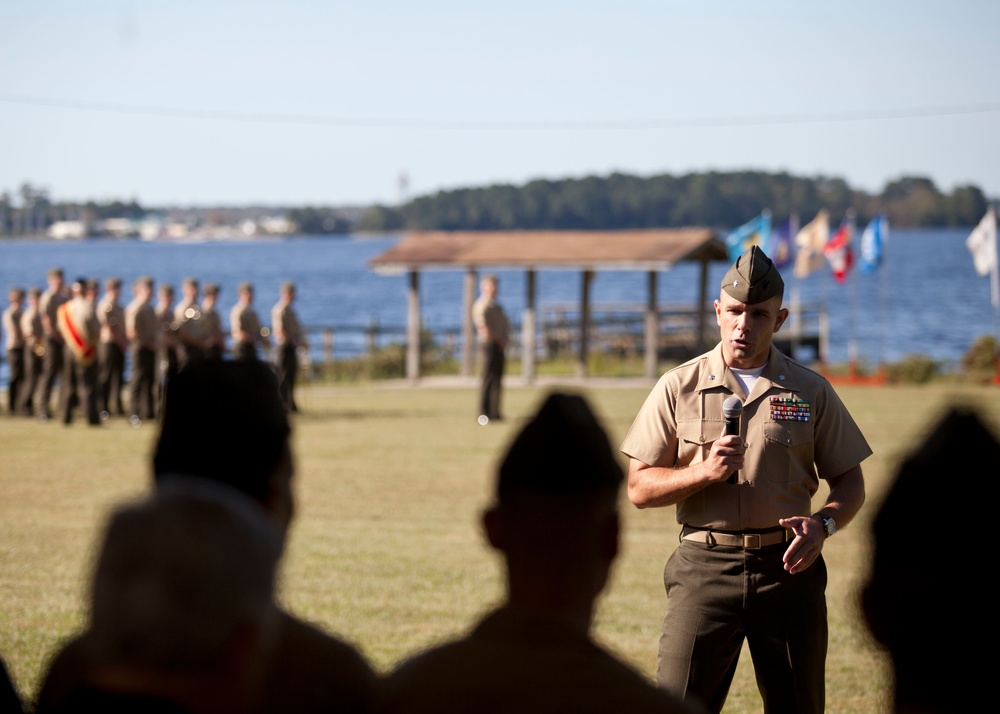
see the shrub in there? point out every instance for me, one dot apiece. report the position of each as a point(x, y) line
point(917, 369)
point(979, 362)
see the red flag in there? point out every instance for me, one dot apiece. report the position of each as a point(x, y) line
point(838, 252)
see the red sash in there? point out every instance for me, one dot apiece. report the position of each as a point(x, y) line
point(84, 351)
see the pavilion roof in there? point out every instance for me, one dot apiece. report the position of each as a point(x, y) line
point(647, 249)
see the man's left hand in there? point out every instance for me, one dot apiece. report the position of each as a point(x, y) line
point(807, 544)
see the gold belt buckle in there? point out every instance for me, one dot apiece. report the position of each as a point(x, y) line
point(751, 541)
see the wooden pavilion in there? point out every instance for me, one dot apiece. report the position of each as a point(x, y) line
point(587, 251)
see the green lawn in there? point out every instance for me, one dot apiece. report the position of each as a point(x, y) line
point(386, 548)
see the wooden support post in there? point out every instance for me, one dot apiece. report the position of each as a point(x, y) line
point(702, 302)
point(581, 361)
point(652, 327)
point(413, 328)
point(468, 329)
point(528, 328)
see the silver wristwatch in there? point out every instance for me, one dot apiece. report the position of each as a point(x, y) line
point(829, 526)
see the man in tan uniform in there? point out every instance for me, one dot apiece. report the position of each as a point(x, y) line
point(215, 336)
point(749, 565)
point(14, 345)
point(289, 337)
point(78, 323)
point(111, 349)
point(168, 362)
point(245, 326)
point(53, 347)
point(142, 328)
point(189, 328)
point(34, 349)
point(494, 331)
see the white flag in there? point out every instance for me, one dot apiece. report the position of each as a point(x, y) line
point(982, 243)
point(809, 244)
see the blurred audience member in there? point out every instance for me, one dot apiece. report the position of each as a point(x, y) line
point(14, 345)
point(182, 613)
point(556, 523)
point(142, 328)
point(10, 700)
point(925, 597)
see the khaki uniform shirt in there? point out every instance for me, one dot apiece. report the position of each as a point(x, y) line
point(111, 315)
point(212, 327)
point(190, 326)
point(142, 322)
point(31, 327)
point(285, 326)
point(13, 336)
point(796, 428)
point(80, 328)
point(48, 305)
point(488, 313)
point(244, 319)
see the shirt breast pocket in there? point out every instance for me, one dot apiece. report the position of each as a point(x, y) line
point(788, 450)
point(694, 440)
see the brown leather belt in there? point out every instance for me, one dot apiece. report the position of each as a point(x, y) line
point(747, 541)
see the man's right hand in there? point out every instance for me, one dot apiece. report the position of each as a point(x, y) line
point(725, 457)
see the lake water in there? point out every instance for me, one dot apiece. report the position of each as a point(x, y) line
point(926, 299)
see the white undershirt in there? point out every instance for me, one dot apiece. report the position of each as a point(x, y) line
point(747, 377)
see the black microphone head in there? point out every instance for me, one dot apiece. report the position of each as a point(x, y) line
point(732, 408)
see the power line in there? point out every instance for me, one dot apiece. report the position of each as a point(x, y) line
point(507, 125)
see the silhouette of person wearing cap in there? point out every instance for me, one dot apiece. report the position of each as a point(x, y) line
point(749, 564)
point(555, 521)
point(926, 618)
point(224, 422)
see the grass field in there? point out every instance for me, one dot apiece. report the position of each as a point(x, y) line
point(386, 549)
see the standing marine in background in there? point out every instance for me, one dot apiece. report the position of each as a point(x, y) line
point(289, 337)
point(245, 326)
point(77, 320)
point(187, 319)
point(493, 329)
point(142, 327)
point(215, 336)
point(52, 363)
point(34, 349)
point(14, 343)
point(111, 349)
point(168, 359)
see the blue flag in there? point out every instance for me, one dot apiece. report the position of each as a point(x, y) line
point(873, 243)
point(779, 248)
point(755, 232)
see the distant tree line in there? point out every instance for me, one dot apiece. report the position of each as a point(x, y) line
point(619, 201)
point(719, 200)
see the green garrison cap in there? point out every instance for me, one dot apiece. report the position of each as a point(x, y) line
point(753, 278)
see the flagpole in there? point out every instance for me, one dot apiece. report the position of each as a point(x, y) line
point(883, 297)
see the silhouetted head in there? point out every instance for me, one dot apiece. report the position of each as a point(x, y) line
point(928, 593)
point(179, 574)
point(562, 454)
point(556, 513)
point(224, 421)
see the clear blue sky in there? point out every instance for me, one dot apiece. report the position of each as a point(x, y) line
point(327, 102)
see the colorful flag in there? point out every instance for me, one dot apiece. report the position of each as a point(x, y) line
point(809, 244)
point(780, 248)
point(838, 251)
point(982, 243)
point(756, 232)
point(873, 241)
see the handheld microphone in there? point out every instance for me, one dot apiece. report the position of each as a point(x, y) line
point(732, 409)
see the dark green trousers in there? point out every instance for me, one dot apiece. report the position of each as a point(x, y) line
point(717, 597)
